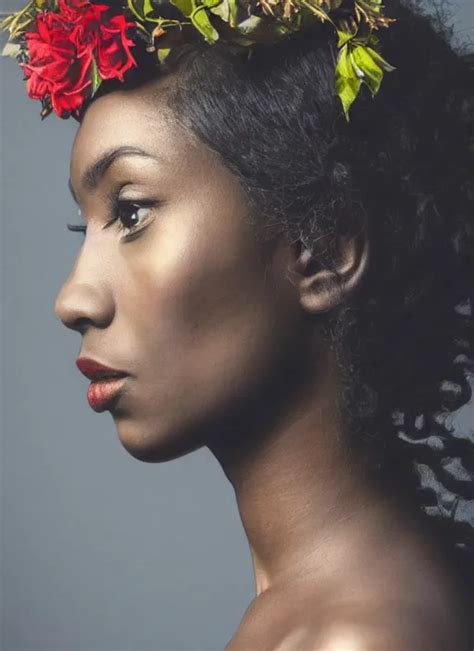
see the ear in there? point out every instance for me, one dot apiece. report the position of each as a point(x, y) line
point(321, 289)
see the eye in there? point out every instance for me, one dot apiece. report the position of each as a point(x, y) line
point(130, 214)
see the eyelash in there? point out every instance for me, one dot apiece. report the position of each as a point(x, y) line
point(117, 207)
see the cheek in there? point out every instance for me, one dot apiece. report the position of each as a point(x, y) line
point(206, 320)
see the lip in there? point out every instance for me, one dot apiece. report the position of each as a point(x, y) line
point(101, 394)
point(106, 385)
point(97, 371)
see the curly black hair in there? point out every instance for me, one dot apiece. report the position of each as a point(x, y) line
point(402, 169)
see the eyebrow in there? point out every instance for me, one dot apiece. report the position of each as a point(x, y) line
point(94, 173)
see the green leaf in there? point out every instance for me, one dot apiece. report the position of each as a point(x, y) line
point(372, 73)
point(163, 53)
point(211, 4)
point(185, 6)
point(250, 24)
point(375, 5)
point(380, 60)
point(347, 81)
point(143, 10)
point(11, 50)
point(233, 11)
point(221, 9)
point(147, 7)
point(344, 37)
point(96, 78)
point(201, 22)
point(134, 10)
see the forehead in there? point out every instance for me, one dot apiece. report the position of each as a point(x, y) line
point(133, 118)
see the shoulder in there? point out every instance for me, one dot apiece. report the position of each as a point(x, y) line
point(400, 626)
point(361, 628)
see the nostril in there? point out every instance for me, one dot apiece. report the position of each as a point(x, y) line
point(80, 324)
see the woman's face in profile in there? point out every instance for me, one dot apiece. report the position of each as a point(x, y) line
point(186, 302)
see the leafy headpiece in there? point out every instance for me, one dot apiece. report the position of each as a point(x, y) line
point(66, 48)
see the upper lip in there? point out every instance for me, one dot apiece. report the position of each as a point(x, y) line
point(95, 370)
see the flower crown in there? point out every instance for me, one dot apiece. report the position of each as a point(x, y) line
point(66, 48)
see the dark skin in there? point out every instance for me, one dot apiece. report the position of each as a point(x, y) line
point(221, 338)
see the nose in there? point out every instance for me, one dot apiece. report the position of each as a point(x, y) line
point(80, 305)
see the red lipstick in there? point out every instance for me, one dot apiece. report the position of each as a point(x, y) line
point(106, 382)
point(100, 394)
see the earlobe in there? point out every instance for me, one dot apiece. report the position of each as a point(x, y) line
point(322, 288)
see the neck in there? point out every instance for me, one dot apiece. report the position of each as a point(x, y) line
point(305, 508)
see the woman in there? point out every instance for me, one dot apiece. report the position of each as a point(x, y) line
point(294, 292)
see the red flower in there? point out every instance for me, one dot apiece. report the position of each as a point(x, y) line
point(113, 53)
point(64, 47)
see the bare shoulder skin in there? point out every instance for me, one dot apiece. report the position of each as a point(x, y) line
point(399, 597)
point(302, 619)
point(352, 627)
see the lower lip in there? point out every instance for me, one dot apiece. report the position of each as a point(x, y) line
point(101, 393)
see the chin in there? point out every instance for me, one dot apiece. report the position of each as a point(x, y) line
point(152, 445)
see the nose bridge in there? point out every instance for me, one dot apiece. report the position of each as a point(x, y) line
point(86, 298)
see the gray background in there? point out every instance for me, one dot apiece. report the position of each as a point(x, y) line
point(99, 552)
